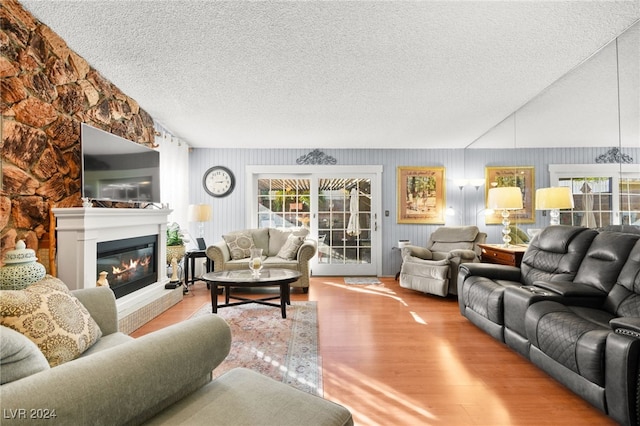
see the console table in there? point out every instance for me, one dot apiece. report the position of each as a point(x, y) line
point(496, 253)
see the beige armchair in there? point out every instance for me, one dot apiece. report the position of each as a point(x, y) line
point(434, 269)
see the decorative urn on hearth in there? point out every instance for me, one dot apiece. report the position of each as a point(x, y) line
point(20, 268)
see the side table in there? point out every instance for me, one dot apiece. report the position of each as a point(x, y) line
point(190, 267)
point(496, 253)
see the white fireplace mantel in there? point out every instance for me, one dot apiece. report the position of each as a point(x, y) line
point(79, 230)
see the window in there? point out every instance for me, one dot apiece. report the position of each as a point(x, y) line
point(283, 203)
point(630, 200)
point(603, 194)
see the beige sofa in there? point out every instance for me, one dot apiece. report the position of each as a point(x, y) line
point(271, 241)
point(161, 378)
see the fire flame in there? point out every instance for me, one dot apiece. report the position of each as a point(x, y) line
point(132, 265)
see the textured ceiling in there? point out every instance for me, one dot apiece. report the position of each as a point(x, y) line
point(384, 74)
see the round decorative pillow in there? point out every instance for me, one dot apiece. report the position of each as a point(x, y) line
point(51, 317)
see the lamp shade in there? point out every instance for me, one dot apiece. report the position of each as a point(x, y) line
point(200, 213)
point(557, 197)
point(505, 198)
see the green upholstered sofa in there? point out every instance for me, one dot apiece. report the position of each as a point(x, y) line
point(161, 378)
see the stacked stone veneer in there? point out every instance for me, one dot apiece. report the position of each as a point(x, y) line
point(46, 91)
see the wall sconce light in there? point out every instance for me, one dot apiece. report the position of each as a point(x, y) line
point(200, 213)
point(554, 199)
point(476, 183)
point(461, 183)
point(505, 199)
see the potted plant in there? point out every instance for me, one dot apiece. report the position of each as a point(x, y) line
point(175, 242)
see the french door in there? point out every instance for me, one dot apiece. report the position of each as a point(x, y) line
point(340, 208)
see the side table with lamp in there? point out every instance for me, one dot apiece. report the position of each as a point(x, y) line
point(504, 198)
point(199, 213)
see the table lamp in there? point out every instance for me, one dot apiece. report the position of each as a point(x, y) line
point(200, 213)
point(505, 199)
point(554, 199)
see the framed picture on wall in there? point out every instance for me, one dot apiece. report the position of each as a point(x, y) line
point(421, 195)
point(519, 176)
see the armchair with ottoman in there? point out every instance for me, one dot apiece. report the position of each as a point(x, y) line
point(286, 248)
point(572, 308)
point(433, 269)
point(161, 378)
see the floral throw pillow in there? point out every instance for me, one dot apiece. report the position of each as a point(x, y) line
point(289, 250)
point(50, 316)
point(240, 245)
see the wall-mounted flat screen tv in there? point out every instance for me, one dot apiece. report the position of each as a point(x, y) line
point(117, 169)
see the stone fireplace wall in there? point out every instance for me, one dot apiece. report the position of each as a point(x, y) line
point(47, 90)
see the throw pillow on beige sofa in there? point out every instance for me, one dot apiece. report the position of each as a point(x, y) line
point(50, 316)
point(240, 244)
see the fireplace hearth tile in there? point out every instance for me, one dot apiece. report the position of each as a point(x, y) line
point(136, 317)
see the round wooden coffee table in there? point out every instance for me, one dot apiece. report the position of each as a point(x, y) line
point(244, 278)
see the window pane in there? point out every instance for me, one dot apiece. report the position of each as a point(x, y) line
point(592, 199)
point(283, 203)
point(630, 201)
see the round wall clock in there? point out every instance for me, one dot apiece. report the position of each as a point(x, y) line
point(218, 181)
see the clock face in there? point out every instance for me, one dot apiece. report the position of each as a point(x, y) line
point(218, 181)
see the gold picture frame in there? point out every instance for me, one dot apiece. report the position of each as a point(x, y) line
point(520, 176)
point(421, 195)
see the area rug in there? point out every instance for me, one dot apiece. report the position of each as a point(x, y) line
point(283, 349)
point(361, 280)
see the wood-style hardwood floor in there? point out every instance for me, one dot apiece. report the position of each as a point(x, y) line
point(398, 357)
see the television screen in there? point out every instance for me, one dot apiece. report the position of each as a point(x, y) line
point(116, 169)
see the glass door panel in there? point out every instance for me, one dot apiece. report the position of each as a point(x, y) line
point(344, 226)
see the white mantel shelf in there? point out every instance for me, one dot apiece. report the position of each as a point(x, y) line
point(95, 218)
point(80, 229)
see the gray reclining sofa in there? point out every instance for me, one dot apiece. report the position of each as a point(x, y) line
point(572, 308)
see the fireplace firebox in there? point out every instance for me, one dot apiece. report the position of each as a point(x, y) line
point(131, 263)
